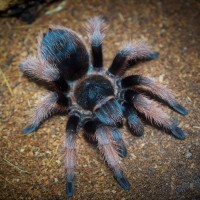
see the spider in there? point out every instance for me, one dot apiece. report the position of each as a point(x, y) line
point(97, 99)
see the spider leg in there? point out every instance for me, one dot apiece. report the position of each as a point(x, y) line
point(96, 28)
point(90, 128)
point(131, 52)
point(110, 113)
point(152, 56)
point(152, 112)
point(148, 85)
point(38, 68)
point(51, 103)
point(135, 124)
point(107, 146)
point(70, 147)
point(117, 137)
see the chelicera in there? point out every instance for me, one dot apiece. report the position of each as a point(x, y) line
point(97, 99)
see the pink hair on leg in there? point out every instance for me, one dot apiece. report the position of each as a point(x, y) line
point(70, 156)
point(107, 146)
point(96, 28)
point(46, 107)
point(133, 50)
point(159, 90)
point(40, 69)
point(152, 112)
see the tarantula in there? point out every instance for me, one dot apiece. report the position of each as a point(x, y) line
point(97, 99)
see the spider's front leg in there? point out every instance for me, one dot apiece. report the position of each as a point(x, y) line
point(90, 128)
point(135, 125)
point(70, 146)
point(50, 104)
point(117, 137)
point(110, 113)
point(107, 146)
point(111, 145)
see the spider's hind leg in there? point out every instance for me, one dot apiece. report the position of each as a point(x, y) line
point(135, 125)
point(50, 104)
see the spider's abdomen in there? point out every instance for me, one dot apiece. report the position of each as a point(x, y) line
point(66, 50)
point(92, 91)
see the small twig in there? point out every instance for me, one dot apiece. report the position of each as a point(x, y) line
point(196, 127)
point(7, 83)
point(29, 104)
point(7, 180)
point(3, 82)
point(18, 168)
point(53, 155)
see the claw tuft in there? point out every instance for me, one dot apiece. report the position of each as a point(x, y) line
point(29, 129)
point(122, 180)
point(180, 109)
point(178, 133)
point(70, 188)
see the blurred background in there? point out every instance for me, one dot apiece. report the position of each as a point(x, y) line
point(158, 166)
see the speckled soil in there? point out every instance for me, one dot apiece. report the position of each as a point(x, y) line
point(158, 166)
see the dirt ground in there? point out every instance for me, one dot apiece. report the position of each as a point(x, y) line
point(158, 166)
